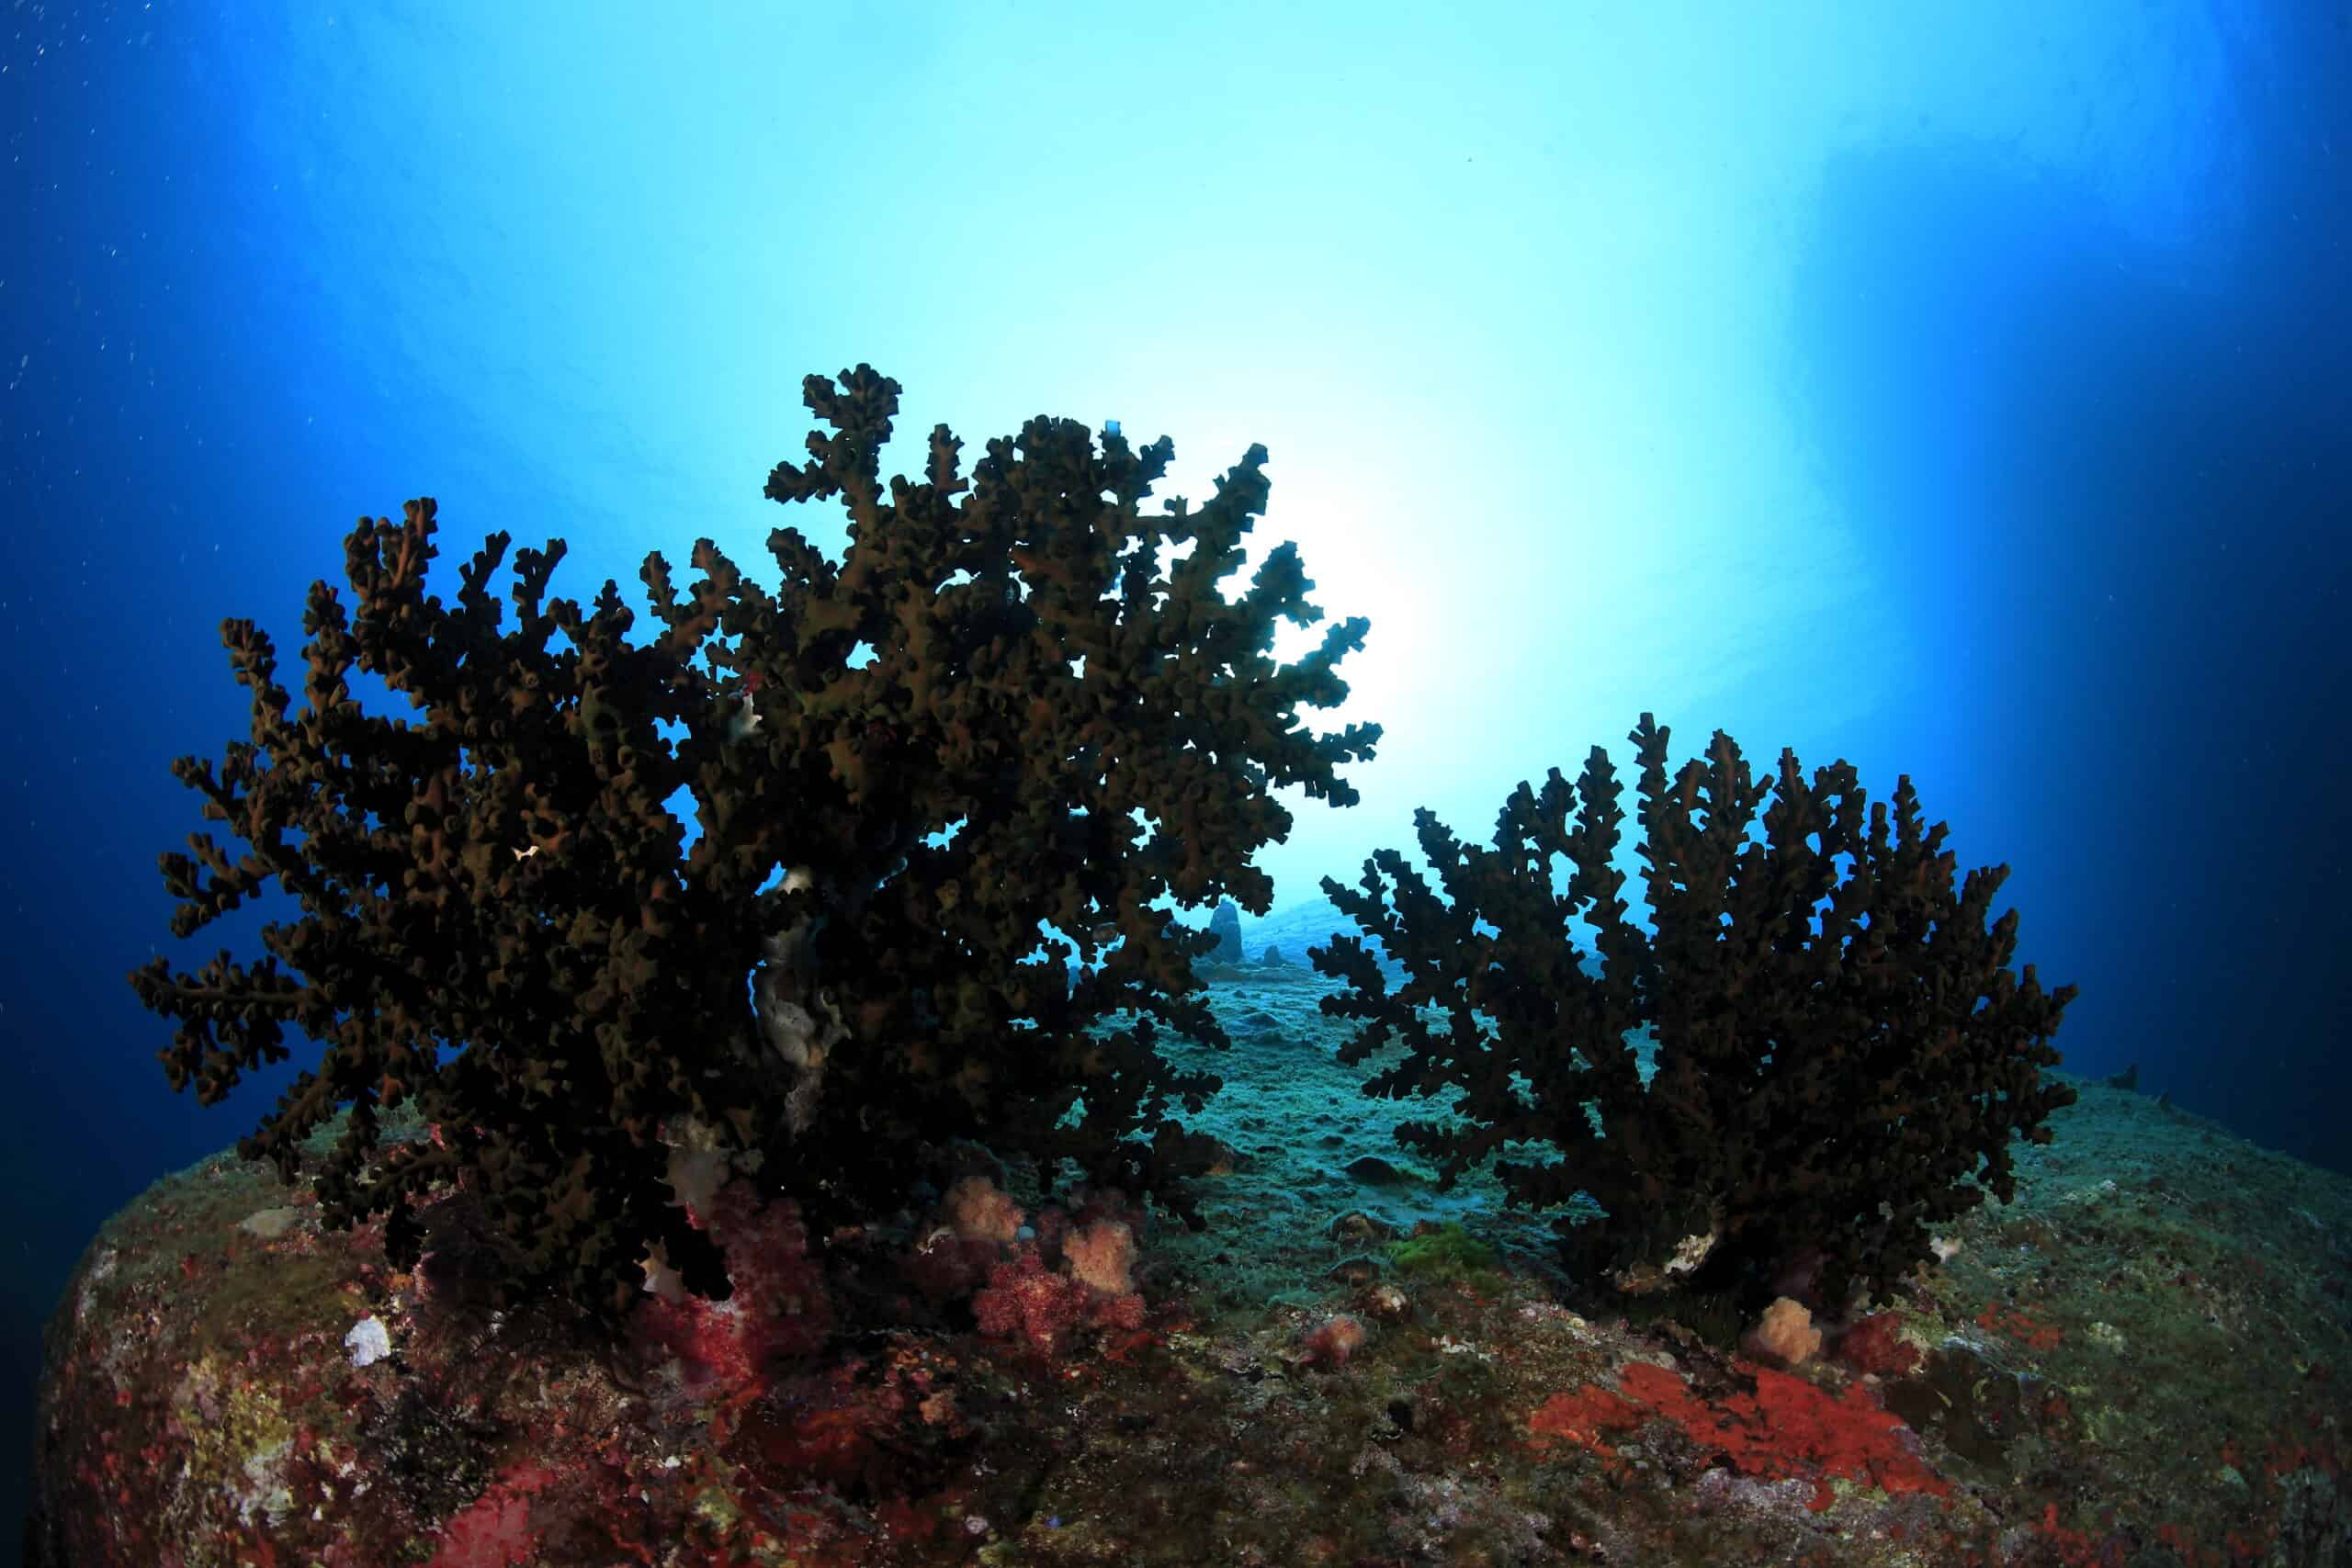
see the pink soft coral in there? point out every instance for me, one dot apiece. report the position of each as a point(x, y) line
point(979, 1212)
point(1024, 1298)
point(1334, 1342)
point(1103, 1255)
point(780, 1307)
point(1786, 1334)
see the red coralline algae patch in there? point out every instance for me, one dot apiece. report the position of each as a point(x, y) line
point(841, 1426)
point(1875, 1344)
point(1786, 1428)
point(495, 1531)
point(2033, 1333)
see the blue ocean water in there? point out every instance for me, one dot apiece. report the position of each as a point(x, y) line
point(1962, 395)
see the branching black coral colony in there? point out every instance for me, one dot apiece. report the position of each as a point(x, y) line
point(993, 713)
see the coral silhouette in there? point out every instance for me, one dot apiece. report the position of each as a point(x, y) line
point(1843, 1053)
point(900, 765)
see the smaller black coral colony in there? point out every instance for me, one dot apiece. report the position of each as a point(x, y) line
point(988, 716)
point(1836, 1049)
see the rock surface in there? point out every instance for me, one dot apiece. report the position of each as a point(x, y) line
point(1311, 923)
point(1226, 926)
point(2139, 1360)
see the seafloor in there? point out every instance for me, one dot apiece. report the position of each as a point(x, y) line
point(2139, 1361)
